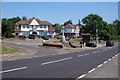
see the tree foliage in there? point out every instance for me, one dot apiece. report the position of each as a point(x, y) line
point(8, 25)
point(68, 22)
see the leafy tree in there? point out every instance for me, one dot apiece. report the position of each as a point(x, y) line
point(68, 22)
point(24, 18)
point(79, 22)
point(8, 25)
point(58, 27)
point(116, 25)
point(93, 22)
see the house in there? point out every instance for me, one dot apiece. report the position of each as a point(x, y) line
point(34, 26)
point(71, 30)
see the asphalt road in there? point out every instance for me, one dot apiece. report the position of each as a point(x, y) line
point(70, 65)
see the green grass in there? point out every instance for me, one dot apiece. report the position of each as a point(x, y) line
point(7, 49)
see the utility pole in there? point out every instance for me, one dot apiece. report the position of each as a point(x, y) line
point(96, 34)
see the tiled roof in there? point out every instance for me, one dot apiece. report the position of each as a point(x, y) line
point(27, 22)
point(70, 26)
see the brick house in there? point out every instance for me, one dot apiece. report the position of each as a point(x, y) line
point(34, 26)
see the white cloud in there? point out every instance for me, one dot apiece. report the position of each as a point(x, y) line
point(60, 0)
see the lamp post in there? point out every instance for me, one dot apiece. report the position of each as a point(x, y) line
point(96, 34)
point(63, 36)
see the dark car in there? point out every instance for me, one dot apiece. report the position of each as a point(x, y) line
point(110, 43)
point(45, 37)
point(32, 36)
point(90, 44)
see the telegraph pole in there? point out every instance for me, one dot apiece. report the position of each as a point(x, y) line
point(96, 34)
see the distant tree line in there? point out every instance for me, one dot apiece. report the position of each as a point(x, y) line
point(90, 24)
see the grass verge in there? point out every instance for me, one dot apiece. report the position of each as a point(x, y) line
point(7, 49)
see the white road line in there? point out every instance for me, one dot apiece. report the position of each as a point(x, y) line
point(81, 76)
point(56, 61)
point(53, 54)
point(80, 55)
point(99, 65)
point(105, 62)
point(66, 52)
point(13, 70)
point(109, 59)
point(113, 57)
point(12, 60)
point(86, 54)
point(91, 70)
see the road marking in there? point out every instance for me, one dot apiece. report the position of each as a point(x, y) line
point(95, 52)
point(105, 62)
point(80, 55)
point(11, 59)
point(91, 70)
point(56, 61)
point(86, 54)
point(66, 52)
point(113, 57)
point(13, 70)
point(81, 76)
point(100, 65)
point(54, 54)
point(99, 51)
point(109, 59)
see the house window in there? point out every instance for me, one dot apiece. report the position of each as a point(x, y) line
point(23, 26)
point(44, 26)
point(27, 26)
point(41, 26)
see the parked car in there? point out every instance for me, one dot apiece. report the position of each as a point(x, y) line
point(45, 38)
point(32, 36)
point(109, 43)
point(90, 44)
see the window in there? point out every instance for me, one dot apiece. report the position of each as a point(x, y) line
point(41, 26)
point(23, 26)
point(27, 26)
point(44, 26)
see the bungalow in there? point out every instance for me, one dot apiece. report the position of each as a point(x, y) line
point(34, 26)
point(71, 30)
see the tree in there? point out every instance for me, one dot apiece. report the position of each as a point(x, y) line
point(24, 18)
point(8, 25)
point(93, 22)
point(116, 25)
point(79, 22)
point(68, 22)
point(58, 27)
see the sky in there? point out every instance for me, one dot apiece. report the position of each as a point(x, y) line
point(59, 12)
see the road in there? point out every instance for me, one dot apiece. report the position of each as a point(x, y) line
point(71, 65)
